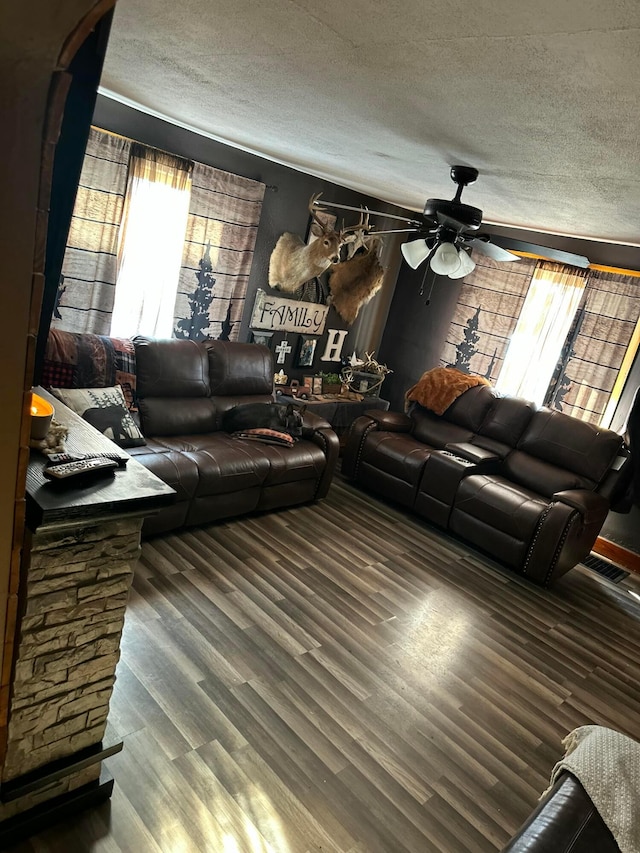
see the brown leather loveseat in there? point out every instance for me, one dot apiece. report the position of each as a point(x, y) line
point(529, 487)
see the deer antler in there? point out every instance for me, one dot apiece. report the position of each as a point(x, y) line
point(362, 225)
point(314, 210)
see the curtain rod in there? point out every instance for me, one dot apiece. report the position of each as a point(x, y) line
point(323, 203)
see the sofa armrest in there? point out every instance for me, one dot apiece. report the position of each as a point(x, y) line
point(390, 421)
point(312, 422)
point(566, 820)
point(589, 504)
point(471, 452)
point(321, 433)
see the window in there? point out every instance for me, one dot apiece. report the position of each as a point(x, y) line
point(171, 272)
point(150, 243)
point(562, 336)
point(551, 303)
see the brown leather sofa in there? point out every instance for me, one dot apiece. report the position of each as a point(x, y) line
point(183, 390)
point(565, 821)
point(529, 487)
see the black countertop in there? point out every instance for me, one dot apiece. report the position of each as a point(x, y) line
point(131, 490)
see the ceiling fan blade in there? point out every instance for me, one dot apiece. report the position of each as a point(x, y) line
point(543, 251)
point(492, 251)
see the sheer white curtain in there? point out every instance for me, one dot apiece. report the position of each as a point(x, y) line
point(552, 300)
point(150, 244)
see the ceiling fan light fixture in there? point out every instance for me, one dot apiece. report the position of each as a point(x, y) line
point(415, 252)
point(446, 259)
point(466, 265)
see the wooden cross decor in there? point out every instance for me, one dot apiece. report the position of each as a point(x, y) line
point(283, 349)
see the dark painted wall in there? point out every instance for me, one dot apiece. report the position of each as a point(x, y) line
point(284, 207)
point(415, 332)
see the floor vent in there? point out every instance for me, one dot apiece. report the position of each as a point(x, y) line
point(606, 569)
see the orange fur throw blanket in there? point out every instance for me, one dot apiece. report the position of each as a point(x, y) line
point(438, 388)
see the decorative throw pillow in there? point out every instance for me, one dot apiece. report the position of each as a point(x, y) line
point(106, 410)
point(266, 436)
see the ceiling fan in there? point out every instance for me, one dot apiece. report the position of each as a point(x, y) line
point(450, 231)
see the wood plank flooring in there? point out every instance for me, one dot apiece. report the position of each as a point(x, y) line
point(342, 678)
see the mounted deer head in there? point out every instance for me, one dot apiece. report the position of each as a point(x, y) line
point(355, 281)
point(294, 262)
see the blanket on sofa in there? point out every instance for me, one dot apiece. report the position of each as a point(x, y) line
point(607, 764)
point(438, 388)
point(74, 360)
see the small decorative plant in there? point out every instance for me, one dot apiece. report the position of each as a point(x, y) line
point(331, 383)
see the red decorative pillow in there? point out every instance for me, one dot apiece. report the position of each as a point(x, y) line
point(267, 436)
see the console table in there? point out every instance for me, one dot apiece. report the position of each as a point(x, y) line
point(80, 549)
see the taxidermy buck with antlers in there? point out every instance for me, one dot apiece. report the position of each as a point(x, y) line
point(355, 281)
point(294, 262)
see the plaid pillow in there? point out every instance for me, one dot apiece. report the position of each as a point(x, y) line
point(74, 360)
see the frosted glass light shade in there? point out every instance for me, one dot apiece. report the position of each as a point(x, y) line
point(466, 265)
point(446, 259)
point(415, 252)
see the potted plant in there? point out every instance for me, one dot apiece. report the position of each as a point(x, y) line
point(331, 383)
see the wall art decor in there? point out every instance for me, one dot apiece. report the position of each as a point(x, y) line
point(260, 337)
point(276, 314)
point(283, 349)
point(335, 342)
point(306, 351)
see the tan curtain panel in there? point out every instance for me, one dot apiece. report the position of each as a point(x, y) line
point(596, 345)
point(87, 285)
point(488, 308)
point(221, 232)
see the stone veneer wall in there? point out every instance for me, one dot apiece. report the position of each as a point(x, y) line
point(76, 589)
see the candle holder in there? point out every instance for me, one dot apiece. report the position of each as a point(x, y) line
point(41, 416)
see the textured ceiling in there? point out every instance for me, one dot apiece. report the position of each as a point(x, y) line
point(383, 95)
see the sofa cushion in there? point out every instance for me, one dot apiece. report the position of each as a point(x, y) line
point(223, 463)
point(471, 408)
point(541, 476)
point(506, 420)
point(501, 504)
point(435, 431)
point(239, 369)
point(171, 368)
point(576, 445)
point(397, 454)
point(304, 461)
point(174, 468)
point(160, 416)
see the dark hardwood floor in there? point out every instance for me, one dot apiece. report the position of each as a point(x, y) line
point(340, 677)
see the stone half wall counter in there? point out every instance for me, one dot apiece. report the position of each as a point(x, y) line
point(78, 559)
point(77, 586)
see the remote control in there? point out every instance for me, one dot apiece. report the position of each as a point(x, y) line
point(80, 469)
point(63, 458)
